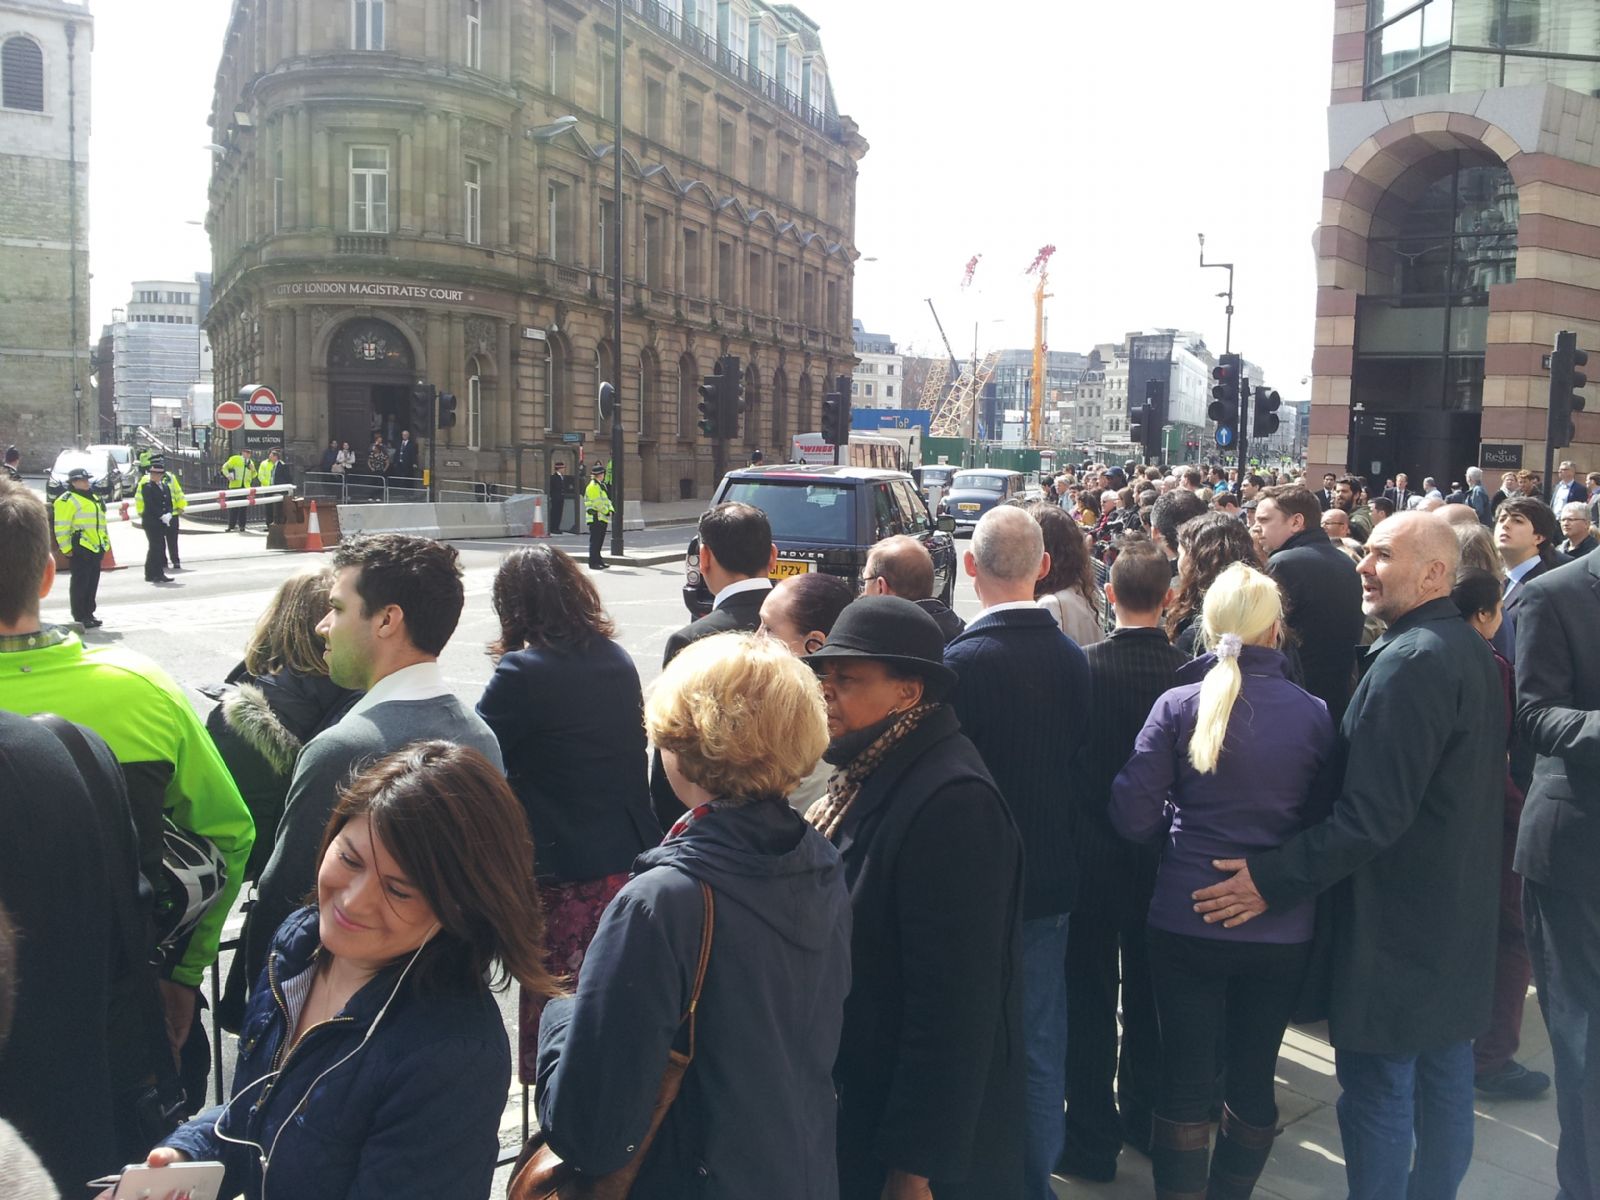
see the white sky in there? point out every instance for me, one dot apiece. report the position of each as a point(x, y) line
point(1115, 130)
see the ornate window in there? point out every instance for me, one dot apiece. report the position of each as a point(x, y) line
point(22, 74)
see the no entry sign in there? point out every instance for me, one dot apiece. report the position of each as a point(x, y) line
point(228, 415)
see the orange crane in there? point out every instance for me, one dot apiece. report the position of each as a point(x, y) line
point(1040, 267)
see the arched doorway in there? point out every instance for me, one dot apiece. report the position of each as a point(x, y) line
point(1442, 236)
point(371, 371)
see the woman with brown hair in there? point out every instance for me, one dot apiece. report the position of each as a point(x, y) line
point(1207, 546)
point(566, 707)
point(373, 1060)
point(1068, 592)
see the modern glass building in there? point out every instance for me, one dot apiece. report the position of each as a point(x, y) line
point(1460, 232)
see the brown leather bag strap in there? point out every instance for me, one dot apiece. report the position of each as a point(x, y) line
point(708, 926)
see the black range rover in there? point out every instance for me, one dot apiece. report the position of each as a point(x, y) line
point(827, 518)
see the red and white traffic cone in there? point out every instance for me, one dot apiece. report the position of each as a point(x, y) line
point(313, 532)
point(538, 529)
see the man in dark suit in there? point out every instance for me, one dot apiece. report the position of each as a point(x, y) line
point(558, 489)
point(1526, 533)
point(1400, 494)
point(1568, 488)
point(1127, 673)
point(1558, 715)
point(404, 465)
point(1326, 495)
point(736, 561)
point(1321, 591)
point(1020, 685)
point(901, 566)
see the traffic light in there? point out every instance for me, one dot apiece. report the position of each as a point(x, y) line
point(1155, 419)
point(447, 410)
point(732, 394)
point(836, 416)
point(1566, 388)
point(711, 405)
point(1224, 408)
point(422, 398)
point(1138, 422)
point(1265, 421)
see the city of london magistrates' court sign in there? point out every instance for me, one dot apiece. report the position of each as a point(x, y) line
point(373, 289)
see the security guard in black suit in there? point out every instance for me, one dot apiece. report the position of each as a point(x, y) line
point(155, 514)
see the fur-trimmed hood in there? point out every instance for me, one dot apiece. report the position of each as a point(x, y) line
point(277, 714)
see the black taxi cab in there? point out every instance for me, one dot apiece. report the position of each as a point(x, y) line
point(826, 518)
point(974, 492)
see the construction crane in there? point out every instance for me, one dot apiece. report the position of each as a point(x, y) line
point(1040, 267)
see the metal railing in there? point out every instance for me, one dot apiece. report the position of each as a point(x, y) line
point(348, 487)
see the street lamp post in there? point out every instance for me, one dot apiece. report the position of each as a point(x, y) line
point(619, 518)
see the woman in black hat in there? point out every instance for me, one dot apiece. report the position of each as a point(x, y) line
point(930, 1071)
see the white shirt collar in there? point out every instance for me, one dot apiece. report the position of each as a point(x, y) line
point(1006, 607)
point(1519, 572)
point(419, 681)
point(758, 584)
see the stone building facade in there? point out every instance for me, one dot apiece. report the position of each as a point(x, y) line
point(419, 190)
point(44, 228)
point(1460, 232)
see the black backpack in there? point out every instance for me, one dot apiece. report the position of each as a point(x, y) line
point(148, 1099)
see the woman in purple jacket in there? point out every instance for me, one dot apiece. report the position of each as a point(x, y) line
point(1234, 761)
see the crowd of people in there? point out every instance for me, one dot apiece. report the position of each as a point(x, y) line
point(899, 904)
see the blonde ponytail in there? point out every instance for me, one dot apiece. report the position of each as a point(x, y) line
point(1241, 608)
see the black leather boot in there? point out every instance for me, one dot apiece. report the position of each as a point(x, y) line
point(1179, 1151)
point(1242, 1152)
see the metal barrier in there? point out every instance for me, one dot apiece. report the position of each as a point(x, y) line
point(463, 491)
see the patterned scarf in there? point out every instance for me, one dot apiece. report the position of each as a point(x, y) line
point(829, 812)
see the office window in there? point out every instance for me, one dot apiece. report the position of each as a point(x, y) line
point(691, 263)
point(785, 283)
point(691, 128)
point(808, 298)
point(888, 390)
point(474, 207)
point(655, 110)
point(608, 88)
point(474, 430)
point(725, 146)
point(369, 189)
point(652, 252)
point(756, 298)
point(608, 214)
point(549, 387)
point(786, 178)
point(833, 303)
point(809, 200)
point(22, 74)
point(563, 50)
point(763, 50)
point(888, 369)
point(758, 163)
point(366, 24)
point(737, 35)
point(558, 221)
point(792, 65)
point(475, 34)
point(725, 268)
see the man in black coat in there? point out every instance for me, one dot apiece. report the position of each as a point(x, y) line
point(901, 566)
point(404, 466)
point(155, 514)
point(1326, 495)
point(1526, 533)
point(1128, 671)
point(1411, 852)
point(1321, 592)
point(1020, 686)
point(931, 1067)
point(1558, 716)
point(558, 489)
point(1401, 493)
point(736, 561)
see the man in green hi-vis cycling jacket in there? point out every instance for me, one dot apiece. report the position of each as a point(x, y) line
point(165, 753)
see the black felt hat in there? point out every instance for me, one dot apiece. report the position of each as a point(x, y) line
point(894, 631)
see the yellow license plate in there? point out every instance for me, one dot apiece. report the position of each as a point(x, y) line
point(968, 507)
point(787, 567)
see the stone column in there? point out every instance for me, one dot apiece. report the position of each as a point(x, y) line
point(433, 163)
point(502, 177)
point(303, 27)
point(405, 193)
point(302, 170)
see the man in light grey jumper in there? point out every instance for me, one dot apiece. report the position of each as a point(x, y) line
point(394, 604)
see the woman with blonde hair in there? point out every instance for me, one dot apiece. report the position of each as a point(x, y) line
point(739, 721)
point(1234, 761)
point(271, 704)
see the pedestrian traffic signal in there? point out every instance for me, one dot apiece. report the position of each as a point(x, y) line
point(1566, 388)
point(447, 410)
point(711, 405)
point(1224, 408)
point(1265, 421)
point(422, 398)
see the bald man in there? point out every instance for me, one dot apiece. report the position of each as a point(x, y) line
point(901, 566)
point(1414, 842)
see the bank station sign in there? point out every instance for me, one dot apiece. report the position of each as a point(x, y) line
point(357, 289)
